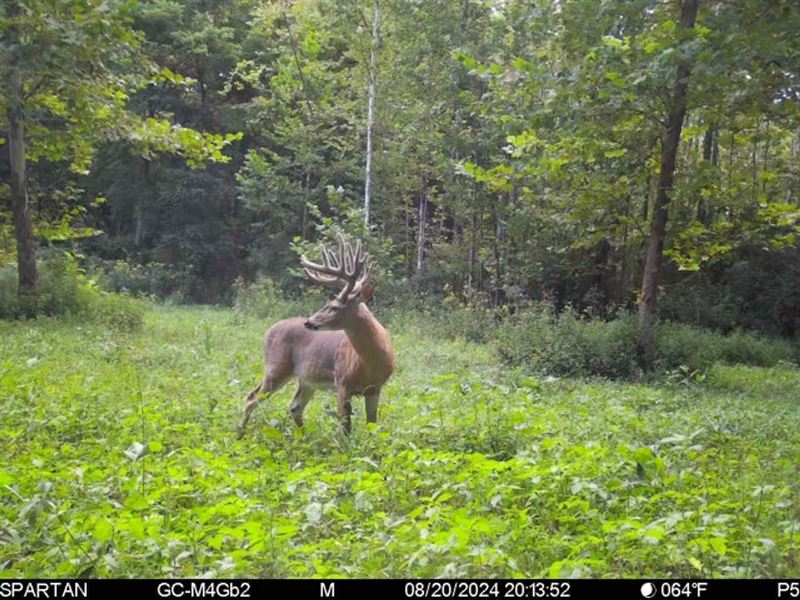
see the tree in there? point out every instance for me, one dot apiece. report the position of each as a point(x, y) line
point(305, 122)
point(515, 151)
point(68, 71)
point(676, 111)
point(373, 77)
point(26, 246)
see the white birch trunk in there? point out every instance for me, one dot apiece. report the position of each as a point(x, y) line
point(373, 76)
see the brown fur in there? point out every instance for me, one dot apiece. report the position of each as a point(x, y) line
point(348, 350)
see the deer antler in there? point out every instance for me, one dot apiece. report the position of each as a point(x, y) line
point(350, 268)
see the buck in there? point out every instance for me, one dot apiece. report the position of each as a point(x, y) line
point(341, 347)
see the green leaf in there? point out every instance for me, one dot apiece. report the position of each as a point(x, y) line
point(272, 434)
point(136, 502)
point(718, 545)
point(613, 42)
point(651, 47)
point(615, 153)
point(103, 530)
point(136, 526)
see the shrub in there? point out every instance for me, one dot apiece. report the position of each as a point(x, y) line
point(264, 299)
point(750, 349)
point(8, 292)
point(565, 344)
point(304, 306)
point(151, 279)
point(453, 319)
point(609, 346)
point(680, 344)
point(64, 290)
point(114, 310)
point(261, 298)
point(58, 291)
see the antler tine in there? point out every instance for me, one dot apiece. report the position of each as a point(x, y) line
point(326, 280)
point(312, 266)
point(349, 268)
point(345, 252)
point(363, 269)
point(341, 259)
point(355, 255)
point(331, 264)
point(331, 260)
point(328, 273)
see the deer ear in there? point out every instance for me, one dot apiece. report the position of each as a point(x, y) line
point(366, 292)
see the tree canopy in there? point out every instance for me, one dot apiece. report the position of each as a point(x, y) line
point(518, 151)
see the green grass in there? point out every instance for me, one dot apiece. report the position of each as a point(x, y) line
point(119, 459)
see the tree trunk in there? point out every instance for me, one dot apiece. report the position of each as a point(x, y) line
point(138, 210)
point(794, 145)
point(373, 77)
point(751, 210)
point(479, 246)
point(148, 189)
point(306, 200)
point(645, 342)
point(408, 208)
point(23, 228)
point(498, 294)
point(710, 152)
point(623, 289)
point(423, 215)
point(731, 156)
point(472, 253)
point(137, 223)
point(765, 162)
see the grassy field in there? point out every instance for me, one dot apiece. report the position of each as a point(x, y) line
point(118, 458)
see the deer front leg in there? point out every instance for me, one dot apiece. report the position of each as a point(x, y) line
point(371, 403)
point(345, 409)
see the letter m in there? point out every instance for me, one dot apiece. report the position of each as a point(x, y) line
point(326, 591)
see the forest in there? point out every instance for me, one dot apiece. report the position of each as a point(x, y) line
point(582, 222)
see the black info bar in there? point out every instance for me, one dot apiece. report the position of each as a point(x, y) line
point(401, 588)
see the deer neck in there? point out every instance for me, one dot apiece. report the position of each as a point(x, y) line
point(369, 339)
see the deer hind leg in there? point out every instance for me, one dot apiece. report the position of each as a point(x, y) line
point(345, 409)
point(302, 397)
point(371, 404)
point(270, 383)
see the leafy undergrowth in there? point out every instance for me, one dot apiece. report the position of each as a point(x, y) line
point(119, 459)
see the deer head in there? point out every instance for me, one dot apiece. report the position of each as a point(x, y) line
point(346, 271)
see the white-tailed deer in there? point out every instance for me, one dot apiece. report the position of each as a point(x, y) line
point(341, 347)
